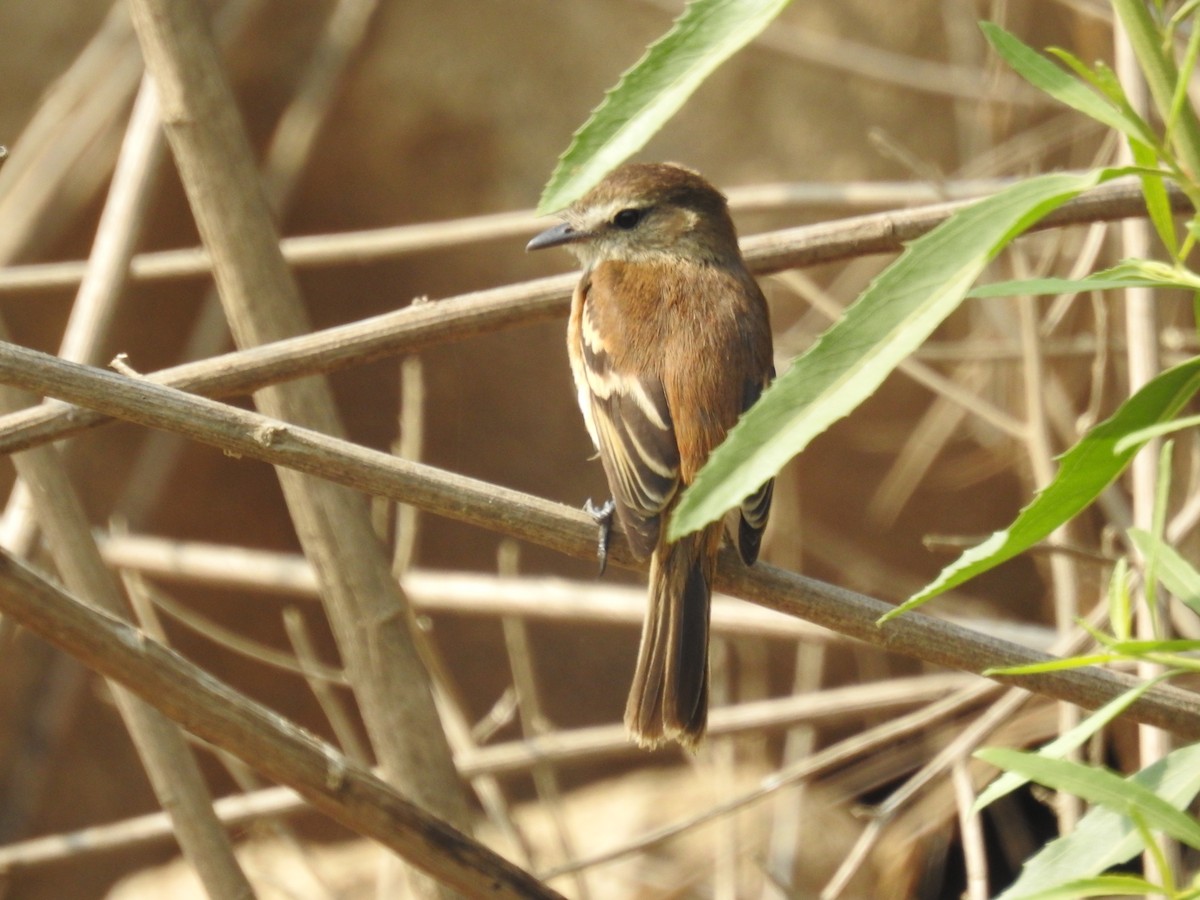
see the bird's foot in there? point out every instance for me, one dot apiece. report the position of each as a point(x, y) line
point(604, 519)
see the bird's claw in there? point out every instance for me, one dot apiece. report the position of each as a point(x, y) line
point(604, 519)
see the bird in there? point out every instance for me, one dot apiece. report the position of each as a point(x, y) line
point(669, 341)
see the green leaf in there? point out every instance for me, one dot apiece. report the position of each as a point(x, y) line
point(892, 317)
point(706, 34)
point(1083, 472)
point(1104, 838)
point(1066, 742)
point(1052, 665)
point(1101, 787)
point(1158, 203)
point(1176, 573)
point(1120, 603)
point(1138, 647)
point(1158, 70)
point(1157, 274)
point(1126, 274)
point(1060, 85)
point(1139, 437)
point(1186, 68)
point(1038, 287)
point(1101, 886)
point(1101, 77)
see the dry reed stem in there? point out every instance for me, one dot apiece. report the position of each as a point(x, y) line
point(378, 244)
point(970, 827)
point(286, 155)
point(520, 651)
point(567, 530)
point(169, 764)
point(833, 706)
point(365, 606)
point(422, 325)
point(452, 707)
point(464, 593)
point(824, 761)
point(1142, 359)
point(258, 736)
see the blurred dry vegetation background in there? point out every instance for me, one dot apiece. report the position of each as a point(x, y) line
point(455, 109)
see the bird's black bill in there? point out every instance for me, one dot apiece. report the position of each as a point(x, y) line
point(554, 237)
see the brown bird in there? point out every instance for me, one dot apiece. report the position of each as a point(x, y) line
point(669, 342)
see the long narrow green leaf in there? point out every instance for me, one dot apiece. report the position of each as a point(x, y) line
point(1053, 665)
point(1104, 838)
point(706, 34)
point(1101, 886)
point(1101, 787)
point(1066, 742)
point(1154, 189)
point(1120, 601)
point(1062, 86)
point(1158, 68)
point(1150, 645)
point(891, 318)
point(1139, 437)
point(1126, 274)
point(1179, 575)
point(1084, 471)
point(1039, 287)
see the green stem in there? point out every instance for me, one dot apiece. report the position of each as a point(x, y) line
point(1161, 76)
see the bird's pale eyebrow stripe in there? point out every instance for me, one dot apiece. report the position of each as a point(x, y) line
point(598, 215)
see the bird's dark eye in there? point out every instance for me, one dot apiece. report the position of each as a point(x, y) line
point(628, 218)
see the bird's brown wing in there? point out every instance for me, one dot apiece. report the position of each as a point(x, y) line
point(757, 507)
point(635, 435)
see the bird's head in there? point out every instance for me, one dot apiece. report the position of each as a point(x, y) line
point(646, 211)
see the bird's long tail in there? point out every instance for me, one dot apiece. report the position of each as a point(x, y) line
point(669, 697)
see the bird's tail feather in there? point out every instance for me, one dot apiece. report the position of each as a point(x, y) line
point(669, 697)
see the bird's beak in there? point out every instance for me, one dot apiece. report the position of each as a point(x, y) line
point(560, 234)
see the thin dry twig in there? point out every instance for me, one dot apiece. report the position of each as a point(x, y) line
point(533, 720)
point(971, 829)
point(336, 713)
point(233, 641)
point(826, 760)
point(895, 70)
